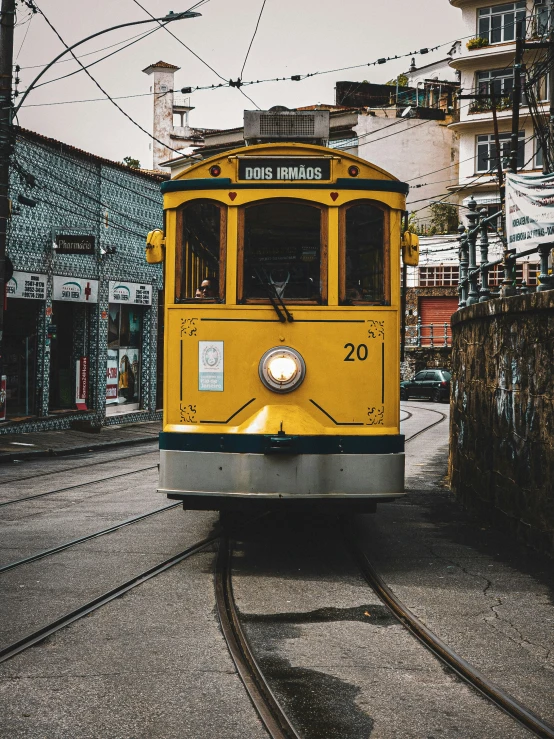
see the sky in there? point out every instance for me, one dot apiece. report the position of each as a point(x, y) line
point(293, 37)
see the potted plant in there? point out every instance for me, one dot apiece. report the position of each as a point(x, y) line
point(477, 43)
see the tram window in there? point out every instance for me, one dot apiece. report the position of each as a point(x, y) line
point(200, 255)
point(363, 257)
point(282, 252)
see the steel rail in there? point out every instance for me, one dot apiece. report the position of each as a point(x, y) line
point(270, 712)
point(79, 467)
point(431, 410)
point(78, 485)
point(442, 651)
point(37, 636)
point(81, 539)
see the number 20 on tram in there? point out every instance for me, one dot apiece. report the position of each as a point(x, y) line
point(282, 330)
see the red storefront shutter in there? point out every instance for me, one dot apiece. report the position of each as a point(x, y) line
point(436, 311)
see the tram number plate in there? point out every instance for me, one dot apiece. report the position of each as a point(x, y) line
point(356, 352)
point(311, 169)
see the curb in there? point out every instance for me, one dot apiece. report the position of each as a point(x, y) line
point(35, 453)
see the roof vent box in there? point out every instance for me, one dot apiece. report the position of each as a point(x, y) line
point(288, 125)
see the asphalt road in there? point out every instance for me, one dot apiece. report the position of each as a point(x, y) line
point(153, 664)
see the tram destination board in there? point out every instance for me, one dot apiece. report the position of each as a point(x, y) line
point(281, 168)
point(74, 244)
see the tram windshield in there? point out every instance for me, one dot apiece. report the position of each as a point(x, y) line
point(363, 278)
point(199, 258)
point(282, 252)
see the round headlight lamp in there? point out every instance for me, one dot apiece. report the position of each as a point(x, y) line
point(282, 369)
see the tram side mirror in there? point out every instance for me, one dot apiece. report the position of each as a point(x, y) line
point(410, 249)
point(155, 242)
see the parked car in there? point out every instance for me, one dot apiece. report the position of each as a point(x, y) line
point(430, 383)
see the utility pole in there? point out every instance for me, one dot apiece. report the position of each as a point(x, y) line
point(7, 22)
point(508, 287)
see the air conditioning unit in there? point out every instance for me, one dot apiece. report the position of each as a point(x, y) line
point(286, 125)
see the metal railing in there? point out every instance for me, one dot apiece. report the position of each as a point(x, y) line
point(473, 286)
point(429, 335)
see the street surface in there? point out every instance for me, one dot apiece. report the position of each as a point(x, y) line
point(153, 663)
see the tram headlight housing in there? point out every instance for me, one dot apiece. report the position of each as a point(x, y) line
point(282, 369)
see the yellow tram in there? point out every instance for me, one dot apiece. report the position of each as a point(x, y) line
point(282, 330)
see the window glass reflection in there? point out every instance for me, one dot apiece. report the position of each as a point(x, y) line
point(364, 255)
point(282, 251)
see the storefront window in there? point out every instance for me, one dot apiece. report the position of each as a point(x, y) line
point(20, 357)
point(124, 358)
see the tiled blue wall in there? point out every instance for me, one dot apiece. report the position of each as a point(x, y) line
point(78, 193)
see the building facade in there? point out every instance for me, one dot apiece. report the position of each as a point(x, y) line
point(485, 63)
point(81, 324)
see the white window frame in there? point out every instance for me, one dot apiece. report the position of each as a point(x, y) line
point(491, 142)
point(507, 30)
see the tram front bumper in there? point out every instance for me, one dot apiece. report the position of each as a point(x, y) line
point(312, 476)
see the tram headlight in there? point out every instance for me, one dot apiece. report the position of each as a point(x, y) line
point(282, 369)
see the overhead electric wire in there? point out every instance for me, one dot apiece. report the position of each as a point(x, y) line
point(252, 39)
point(86, 169)
point(135, 123)
point(228, 84)
point(97, 61)
point(71, 186)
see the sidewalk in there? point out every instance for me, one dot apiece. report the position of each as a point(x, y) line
point(70, 441)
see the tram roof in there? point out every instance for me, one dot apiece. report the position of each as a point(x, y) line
point(285, 149)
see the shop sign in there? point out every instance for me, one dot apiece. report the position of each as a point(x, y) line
point(26, 285)
point(75, 289)
point(69, 244)
point(133, 293)
point(210, 366)
point(112, 377)
point(81, 388)
point(294, 168)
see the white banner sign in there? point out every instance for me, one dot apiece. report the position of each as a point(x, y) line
point(529, 210)
point(27, 285)
point(75, 290)
point(130, 292)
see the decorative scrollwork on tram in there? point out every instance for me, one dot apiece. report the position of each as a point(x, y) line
point(376, 329)
point(188, 413)
point(188, 326)
point(376, 415)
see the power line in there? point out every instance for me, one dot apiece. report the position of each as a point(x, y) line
point(252, 39)
point(87, 170)
point(102, 89)
point(138, 38)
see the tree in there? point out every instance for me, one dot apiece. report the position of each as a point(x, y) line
point(402, 80)
point(444, 218)
point(132, 163)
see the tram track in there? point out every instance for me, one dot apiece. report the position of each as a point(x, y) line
point(90, 606)
point(466, 671)
point(442, 418)
point(77, 485)
point(76, 468)
point(82, 539)
point(276, 722)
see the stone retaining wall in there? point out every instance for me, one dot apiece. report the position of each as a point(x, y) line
point(502, 414)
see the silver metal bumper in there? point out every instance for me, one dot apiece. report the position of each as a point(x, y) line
point(281, 476)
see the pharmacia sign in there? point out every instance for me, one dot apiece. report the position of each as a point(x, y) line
point(529, 210)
